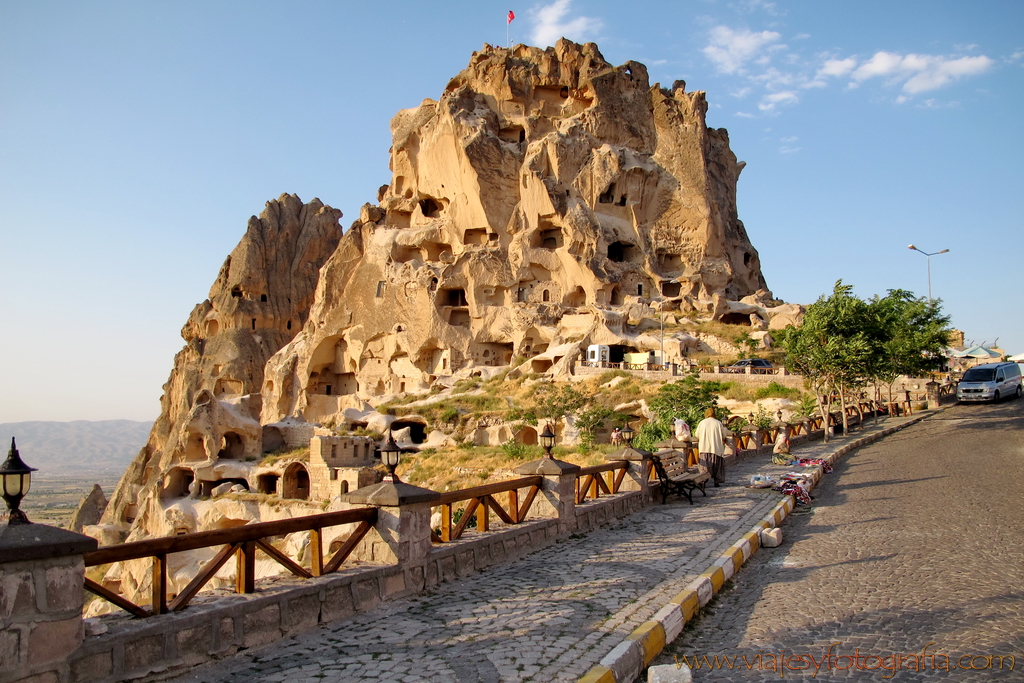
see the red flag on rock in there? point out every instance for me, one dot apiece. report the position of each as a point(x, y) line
point(511, 16)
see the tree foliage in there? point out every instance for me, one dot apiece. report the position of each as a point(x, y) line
point(552, 403)
point(687, 398)
point(846, 342)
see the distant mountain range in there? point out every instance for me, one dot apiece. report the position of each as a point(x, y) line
point(76, 446)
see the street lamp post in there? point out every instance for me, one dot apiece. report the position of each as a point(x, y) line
point(934, 253)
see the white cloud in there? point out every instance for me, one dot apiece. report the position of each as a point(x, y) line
point(744, 115)
point(935, 104)
point(882, 64)
point(773, 79)
point(789, 150)
point(770, 101)
point(790, 139)
point(836, 67)
point(550, 22)
point(730, 49)
point(919, 73)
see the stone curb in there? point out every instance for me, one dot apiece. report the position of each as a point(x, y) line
point(627, 660)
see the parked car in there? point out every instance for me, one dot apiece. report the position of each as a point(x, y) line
point(758, 366)
point(990, 382)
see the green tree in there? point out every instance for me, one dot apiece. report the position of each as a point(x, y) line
point(552, 403)
point(832, 348)
point(590, 419)
point(687, 398)
point(909, 336)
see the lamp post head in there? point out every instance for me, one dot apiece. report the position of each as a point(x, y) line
point(547, 440)
point(390, 455)
point(911, 246)
point(15, 481)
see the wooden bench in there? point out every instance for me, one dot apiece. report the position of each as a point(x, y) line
point(675, 477)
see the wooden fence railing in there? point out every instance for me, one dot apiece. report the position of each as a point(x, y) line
point(481, 502)
point(605, 478)
point(240, 541)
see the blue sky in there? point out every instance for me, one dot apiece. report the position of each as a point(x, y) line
point(136, 138)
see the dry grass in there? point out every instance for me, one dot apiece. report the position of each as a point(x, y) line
point(462, 467)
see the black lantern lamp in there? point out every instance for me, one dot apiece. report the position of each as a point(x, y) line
point(627, 435)
point(547, 440)
point(390, 454)
point(15, 480)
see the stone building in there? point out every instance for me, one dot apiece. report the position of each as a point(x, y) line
point(339, 464)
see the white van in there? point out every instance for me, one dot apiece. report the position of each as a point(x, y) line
point(990, 382)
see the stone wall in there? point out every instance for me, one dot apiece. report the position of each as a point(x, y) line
point(677, 371)
point(41, 573)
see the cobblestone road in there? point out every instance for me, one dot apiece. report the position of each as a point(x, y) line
point(914, 541)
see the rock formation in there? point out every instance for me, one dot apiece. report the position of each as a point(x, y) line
point(548, 200)
point(258, 303)
point(90, 510)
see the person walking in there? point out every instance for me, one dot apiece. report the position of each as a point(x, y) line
point(711, 447)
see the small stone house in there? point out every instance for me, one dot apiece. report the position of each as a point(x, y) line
point(339, 464)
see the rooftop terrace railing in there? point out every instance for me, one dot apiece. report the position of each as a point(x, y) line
point(242, 542)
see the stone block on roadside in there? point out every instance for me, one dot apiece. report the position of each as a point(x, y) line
point(771, 538)
point(669, 673)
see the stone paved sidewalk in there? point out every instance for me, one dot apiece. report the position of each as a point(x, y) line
point(549, 616)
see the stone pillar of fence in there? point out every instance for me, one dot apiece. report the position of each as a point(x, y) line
point(41, 596)
point(557, 497)
point(402, 531)
point(757, 437)
point(638, 474)
point(931, 390)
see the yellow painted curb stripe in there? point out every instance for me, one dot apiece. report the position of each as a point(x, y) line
point(716, 576)
point(599, 674)
point(754, 539)
point(688, 602)
point(651, 635)
point(737, 559)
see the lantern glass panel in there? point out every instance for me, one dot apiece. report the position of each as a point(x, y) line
point(16, 484)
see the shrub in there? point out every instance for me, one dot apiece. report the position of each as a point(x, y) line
point(648, 435)
point(515, 450)
point(763, 419)
point(776, 390)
